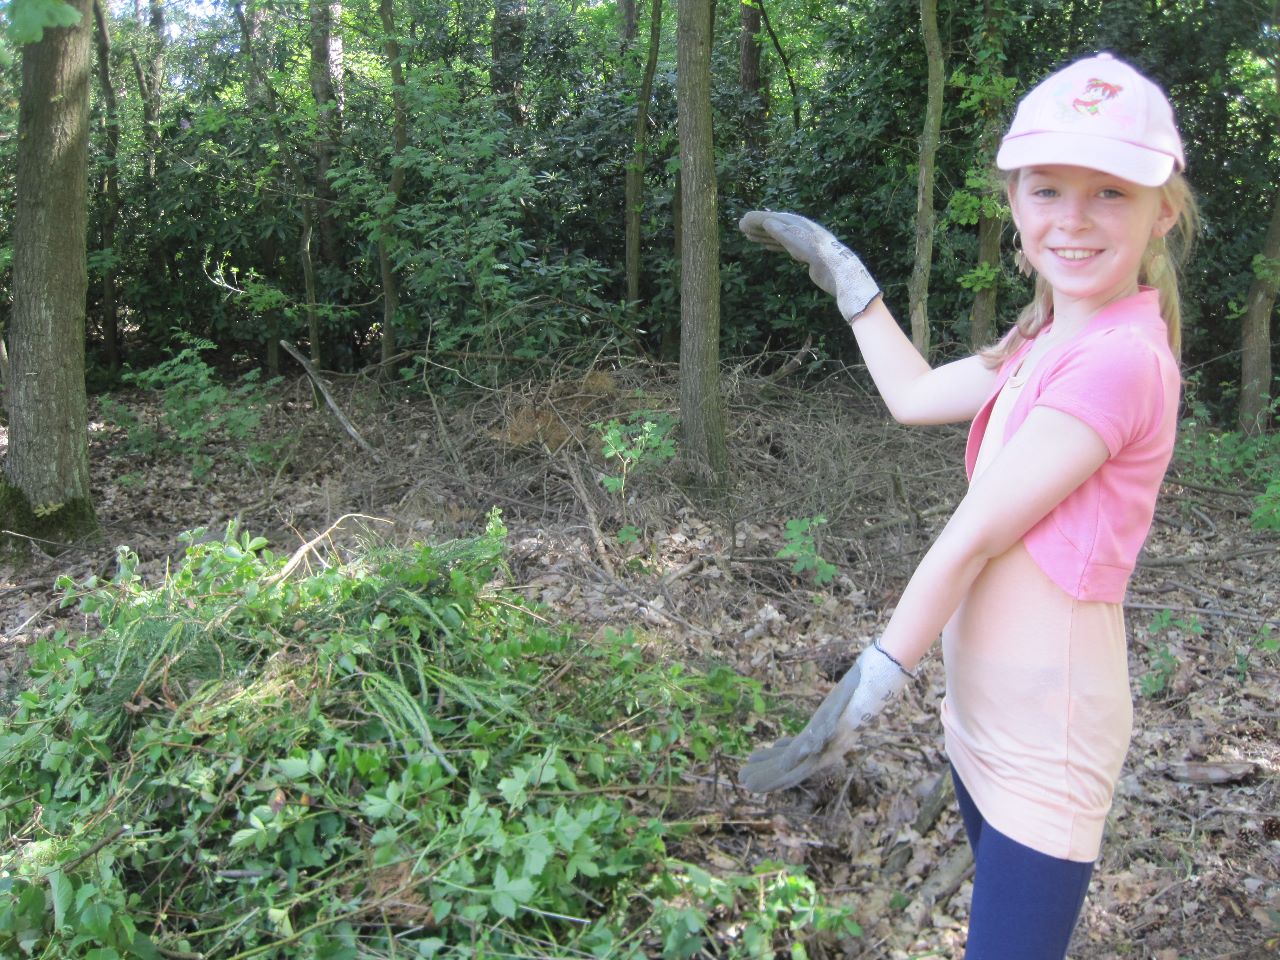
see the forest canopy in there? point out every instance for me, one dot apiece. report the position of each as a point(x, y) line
point(262, 170)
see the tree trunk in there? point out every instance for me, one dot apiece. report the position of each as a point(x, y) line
point(110, 186)
point(148, 69)
point(507, 73)
point(399, 141)
point(149, 72)
point(45, 491)
point(990, 44)
point(1255, 361)
point(634, 185)
point(701, 406)
point(982, 315)
point(918, 285)
point(325, 76)
point(749, 77)
point(630, 22)
point(248, 32)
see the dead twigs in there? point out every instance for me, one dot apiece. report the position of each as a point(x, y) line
point(328, 399)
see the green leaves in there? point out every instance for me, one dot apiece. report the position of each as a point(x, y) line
point(286, 768)
point(27, 20)
point(801, 549)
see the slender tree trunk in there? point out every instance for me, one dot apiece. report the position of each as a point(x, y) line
point(148, 69)
point(248, 33)
point(749, 76)
point(506, 75)
point(149, 72)
point(634, 186)
point(701, 406)
point(982, 316)
point(325, 76)
point(1255, 362)
point(110, 186)
point(399, 141)
point(628, 9)
point(45, 490)
point(918, 285)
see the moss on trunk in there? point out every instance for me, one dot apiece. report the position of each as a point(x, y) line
point(48, 525)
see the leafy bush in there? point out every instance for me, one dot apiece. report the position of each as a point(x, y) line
point(1218, 457)
point(645, 440)
point(258, 759)
point(198, 410)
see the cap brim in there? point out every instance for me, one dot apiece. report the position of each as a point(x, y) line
point(1126, 160)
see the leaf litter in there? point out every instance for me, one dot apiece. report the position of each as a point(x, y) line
point(1190, 866)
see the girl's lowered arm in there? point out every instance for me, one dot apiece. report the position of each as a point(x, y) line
point(1050, 455)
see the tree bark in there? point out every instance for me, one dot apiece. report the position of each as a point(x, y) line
point(110, 186)
point(326, 84)
point(248, 33)
point(149, 72)
point(507, 72)
point(399, 141)
point(918, 285)
point(701, 406)
point(982, 316)
point(45, 493)
point(749, 76)
point(1255, 360)
point(630, 22)
point(634, 185)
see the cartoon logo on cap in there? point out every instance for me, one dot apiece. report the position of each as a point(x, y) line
point(1096, 93)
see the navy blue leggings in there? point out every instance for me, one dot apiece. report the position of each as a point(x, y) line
point(1025, 903)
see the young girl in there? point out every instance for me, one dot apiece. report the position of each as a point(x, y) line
point(1073, 427)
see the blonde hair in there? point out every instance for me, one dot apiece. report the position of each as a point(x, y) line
point(1159, 268)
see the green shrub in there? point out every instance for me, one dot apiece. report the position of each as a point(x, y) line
point(199, 411)
point(376, 755)
point(1209, 455)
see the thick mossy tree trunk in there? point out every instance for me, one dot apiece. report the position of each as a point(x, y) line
point(701, 406)
point(44, 494)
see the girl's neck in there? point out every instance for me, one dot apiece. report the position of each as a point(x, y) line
point(1070, 315)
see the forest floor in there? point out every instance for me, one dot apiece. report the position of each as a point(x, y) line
point(1191, 862)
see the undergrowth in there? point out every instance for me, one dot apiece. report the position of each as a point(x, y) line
point(1230, 458)
point(374, 755)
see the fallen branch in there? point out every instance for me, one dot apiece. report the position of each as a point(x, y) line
point(942, 883)
point(584, 495)
point(310, 545)
point(328, 398)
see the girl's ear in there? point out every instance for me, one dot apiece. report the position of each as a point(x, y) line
point(1166, 217)
point(1011, 190)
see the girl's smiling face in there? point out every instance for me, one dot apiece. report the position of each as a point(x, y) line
point(1085, 232)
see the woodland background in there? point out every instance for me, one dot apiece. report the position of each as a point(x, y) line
point(295, 689)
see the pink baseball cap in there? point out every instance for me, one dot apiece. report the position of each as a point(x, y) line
point(1098, 113)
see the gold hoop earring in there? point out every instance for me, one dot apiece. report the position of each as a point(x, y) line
point(1019, 257)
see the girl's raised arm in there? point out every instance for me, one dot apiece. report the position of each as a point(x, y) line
point(913, 391)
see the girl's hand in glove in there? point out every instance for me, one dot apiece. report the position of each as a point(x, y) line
point(832, 266)
point(873, 680)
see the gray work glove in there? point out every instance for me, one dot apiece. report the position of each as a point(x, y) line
point(832, 266)
point(873, 680)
